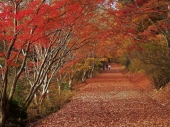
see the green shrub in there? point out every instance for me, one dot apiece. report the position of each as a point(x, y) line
point(124, 60)
point(52, 103)
point(159, 75)
point(154, 61)
point(135, 66)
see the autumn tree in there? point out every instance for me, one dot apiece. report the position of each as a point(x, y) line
point(144, 23)
point(36, 40)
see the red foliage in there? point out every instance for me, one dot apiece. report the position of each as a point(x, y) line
point(140, 2)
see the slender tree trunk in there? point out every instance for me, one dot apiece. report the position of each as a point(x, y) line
point(70, 81)
point(59, 90)
point(83, 77)
point(91, 71)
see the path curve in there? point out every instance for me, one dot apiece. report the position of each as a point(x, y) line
point(110, 100)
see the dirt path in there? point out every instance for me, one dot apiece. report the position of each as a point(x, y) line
point(110, 100)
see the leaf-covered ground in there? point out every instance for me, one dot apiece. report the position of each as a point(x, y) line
point(112, 99)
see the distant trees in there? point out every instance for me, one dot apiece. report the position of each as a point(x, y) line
point(143, 34)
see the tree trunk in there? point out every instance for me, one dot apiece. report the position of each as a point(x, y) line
point(2, 114)
point(59, 90)
point(168, 39)
point(91, 71)
point(83, 79)
point(70, 81)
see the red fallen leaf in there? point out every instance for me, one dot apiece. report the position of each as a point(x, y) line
point(85, 109)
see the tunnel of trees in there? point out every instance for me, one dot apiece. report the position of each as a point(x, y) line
point(46, 46)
